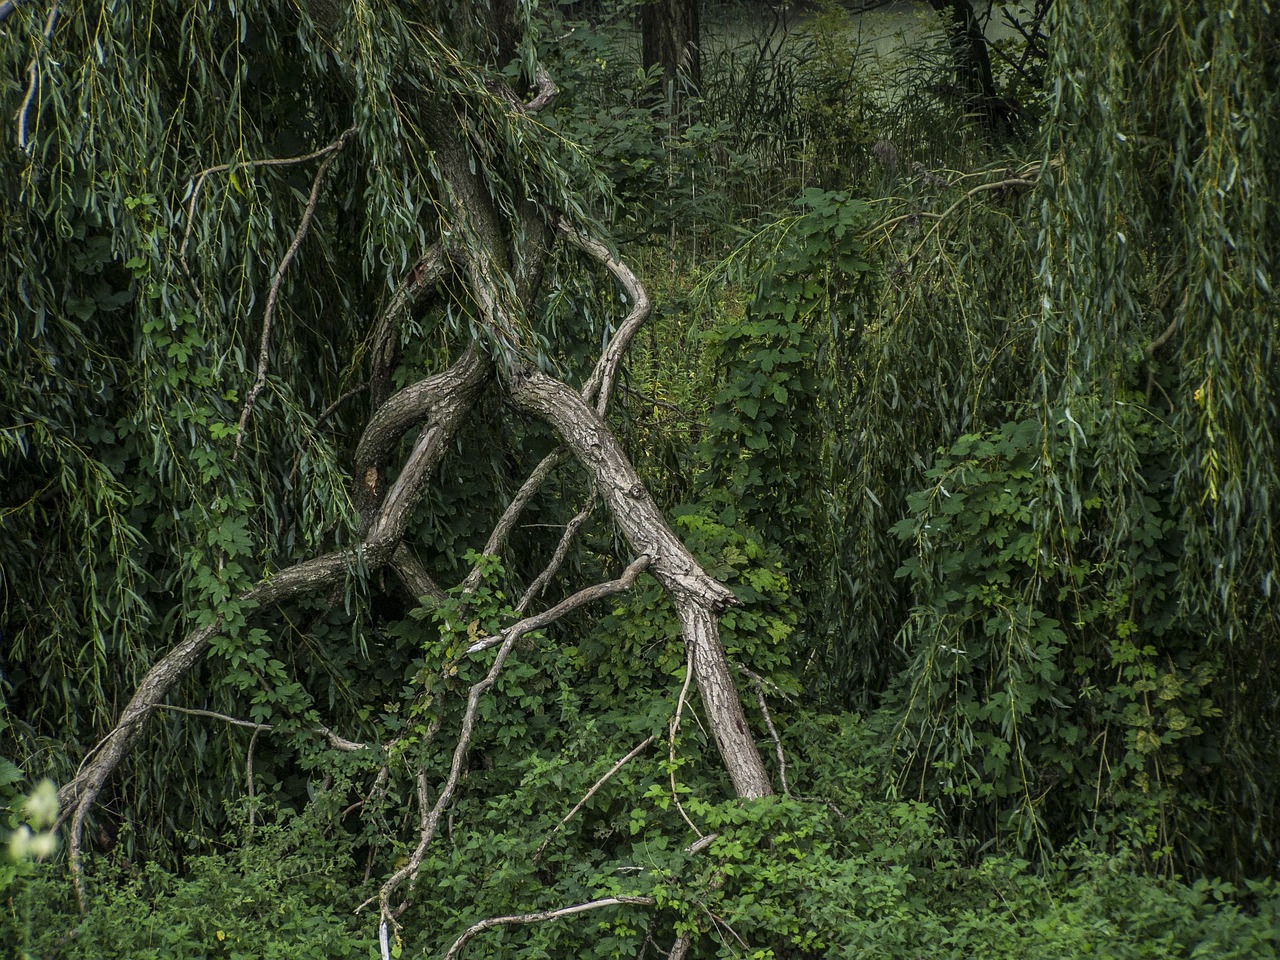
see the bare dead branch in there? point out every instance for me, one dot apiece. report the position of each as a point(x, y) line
point(336, 740)
point(542, 916)
point(508, 638)
point(595, 787)
point(758, 683)
point(328, 411)
point(568, 604)
point(249, 785)
point(198, 186)
point(273, 294)
point(557, 558)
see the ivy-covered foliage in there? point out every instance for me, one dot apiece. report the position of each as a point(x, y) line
point(979, 433)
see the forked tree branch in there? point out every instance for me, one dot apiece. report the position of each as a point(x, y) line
point(444, 414)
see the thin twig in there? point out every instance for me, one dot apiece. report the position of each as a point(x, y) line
point(327, 412)
point(673, 729)
point(273, 295)
point(337, 741)
point(684, 415)
point(561, 551)
point(507, 522)
point(224, 167)
point(248, 776)
point(582, 597)
point(1025, 178)
point(595, 787)
point(758, 683)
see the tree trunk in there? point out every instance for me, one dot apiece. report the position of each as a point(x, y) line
point(669, 38)
point(697, 596)
point(973, 66)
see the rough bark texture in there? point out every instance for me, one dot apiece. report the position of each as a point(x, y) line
point(698, 597)
point(443, 408)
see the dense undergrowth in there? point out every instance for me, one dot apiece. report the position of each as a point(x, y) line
point(980, 430)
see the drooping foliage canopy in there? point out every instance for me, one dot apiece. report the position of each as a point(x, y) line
point(318, 331)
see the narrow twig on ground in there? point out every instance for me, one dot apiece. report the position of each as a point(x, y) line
point(542, 916)
point(635, 752)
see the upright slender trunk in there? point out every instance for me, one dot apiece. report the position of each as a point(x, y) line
point(669, 35)
point(973, 65)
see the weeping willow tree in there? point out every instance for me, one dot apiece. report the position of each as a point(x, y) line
point(277, 355)
point(1090, 561)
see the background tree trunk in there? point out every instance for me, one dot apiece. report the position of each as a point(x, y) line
point(669, 32)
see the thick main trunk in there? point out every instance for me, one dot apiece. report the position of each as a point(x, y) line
point(697, 596)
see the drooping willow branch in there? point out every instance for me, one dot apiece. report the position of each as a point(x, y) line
point(443, 406)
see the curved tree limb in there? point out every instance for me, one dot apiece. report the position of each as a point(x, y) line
point(542, 916)
point(697, 596)
point(600, 384)
point(444, 410)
